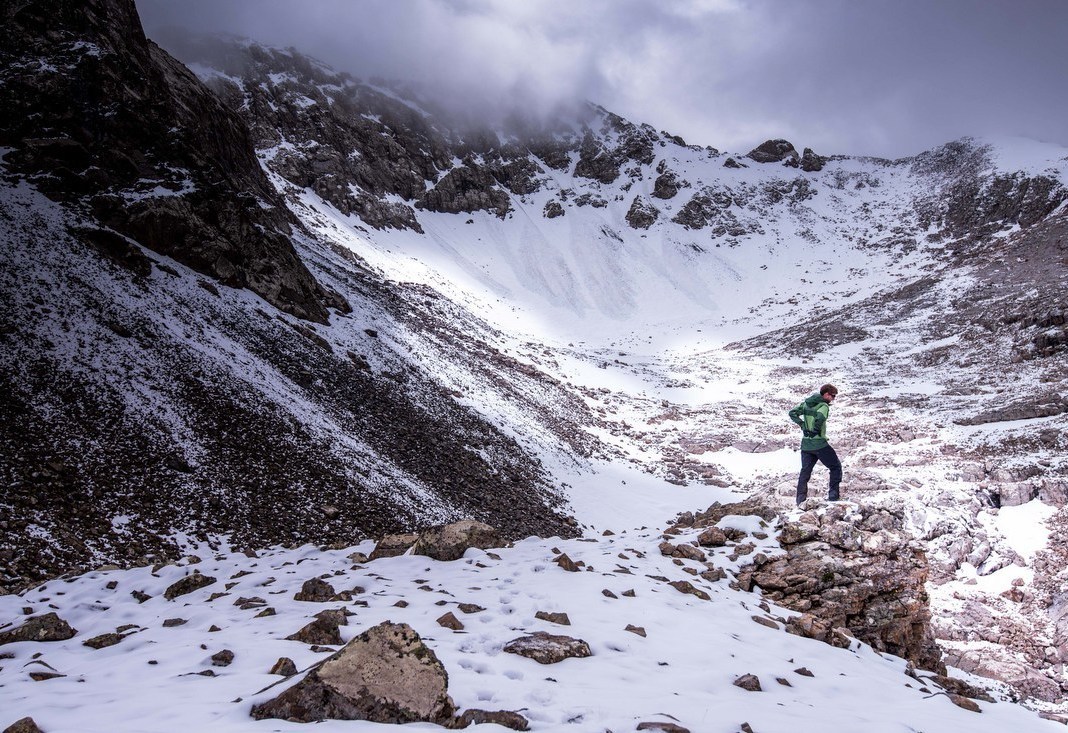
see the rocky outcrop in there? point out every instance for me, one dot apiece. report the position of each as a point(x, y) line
point(666, 185)
point(602, 155)
point(1033, 406)
point(385, 675)
point(853, 567)
point(552, 209)
point(466, 189)
point(145, 149)
point(642, 214)
point(973, 201)
point(810, 162)
point(774, 151)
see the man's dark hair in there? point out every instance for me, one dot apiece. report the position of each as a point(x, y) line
point(829, 388)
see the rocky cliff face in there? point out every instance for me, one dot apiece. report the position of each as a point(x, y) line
point(145, 391)
point(100, 117)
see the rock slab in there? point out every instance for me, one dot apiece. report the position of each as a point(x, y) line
point(546, 648)
point(385, 675)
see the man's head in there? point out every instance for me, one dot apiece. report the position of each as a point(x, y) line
point(828, 392)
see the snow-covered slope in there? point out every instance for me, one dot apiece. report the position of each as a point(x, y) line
point(658, 655)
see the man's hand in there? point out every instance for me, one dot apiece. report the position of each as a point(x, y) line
point(809, 433)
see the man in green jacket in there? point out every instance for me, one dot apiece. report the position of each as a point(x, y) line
point(811, 415)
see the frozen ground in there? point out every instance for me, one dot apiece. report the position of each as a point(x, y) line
point(681, 671)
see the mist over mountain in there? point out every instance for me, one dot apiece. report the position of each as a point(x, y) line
point(253, 304)
point(897, 79)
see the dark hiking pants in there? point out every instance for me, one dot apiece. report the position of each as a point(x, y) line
point(828, 458)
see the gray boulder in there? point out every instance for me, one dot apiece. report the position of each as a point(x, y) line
point(546, 648)
point(451, 541)
point(385, 675)
point(504, 718)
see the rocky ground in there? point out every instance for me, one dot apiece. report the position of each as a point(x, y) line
point(616, 630)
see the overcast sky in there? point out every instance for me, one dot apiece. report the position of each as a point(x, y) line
point(864, 77)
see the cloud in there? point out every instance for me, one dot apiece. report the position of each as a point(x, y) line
point(879, 77)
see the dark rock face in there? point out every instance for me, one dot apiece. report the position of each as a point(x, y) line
point(104, 366)
point(49, 627)
point(971, 202)
point(642, 214)
point(385, 675)
point(466, 189)
point(719, 209)
point(356, 144)
point(774, 151)
point(856, 570)
point(136, 140)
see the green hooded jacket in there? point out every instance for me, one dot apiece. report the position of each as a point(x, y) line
point(811, 415)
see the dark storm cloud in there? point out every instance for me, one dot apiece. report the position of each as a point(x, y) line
point(878, 77)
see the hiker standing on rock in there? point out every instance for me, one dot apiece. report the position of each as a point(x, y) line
point(812, 415)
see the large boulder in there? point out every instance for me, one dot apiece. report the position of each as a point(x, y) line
point(451, 541)
point(188, 584)
point(49, 627)
point(385, 675)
